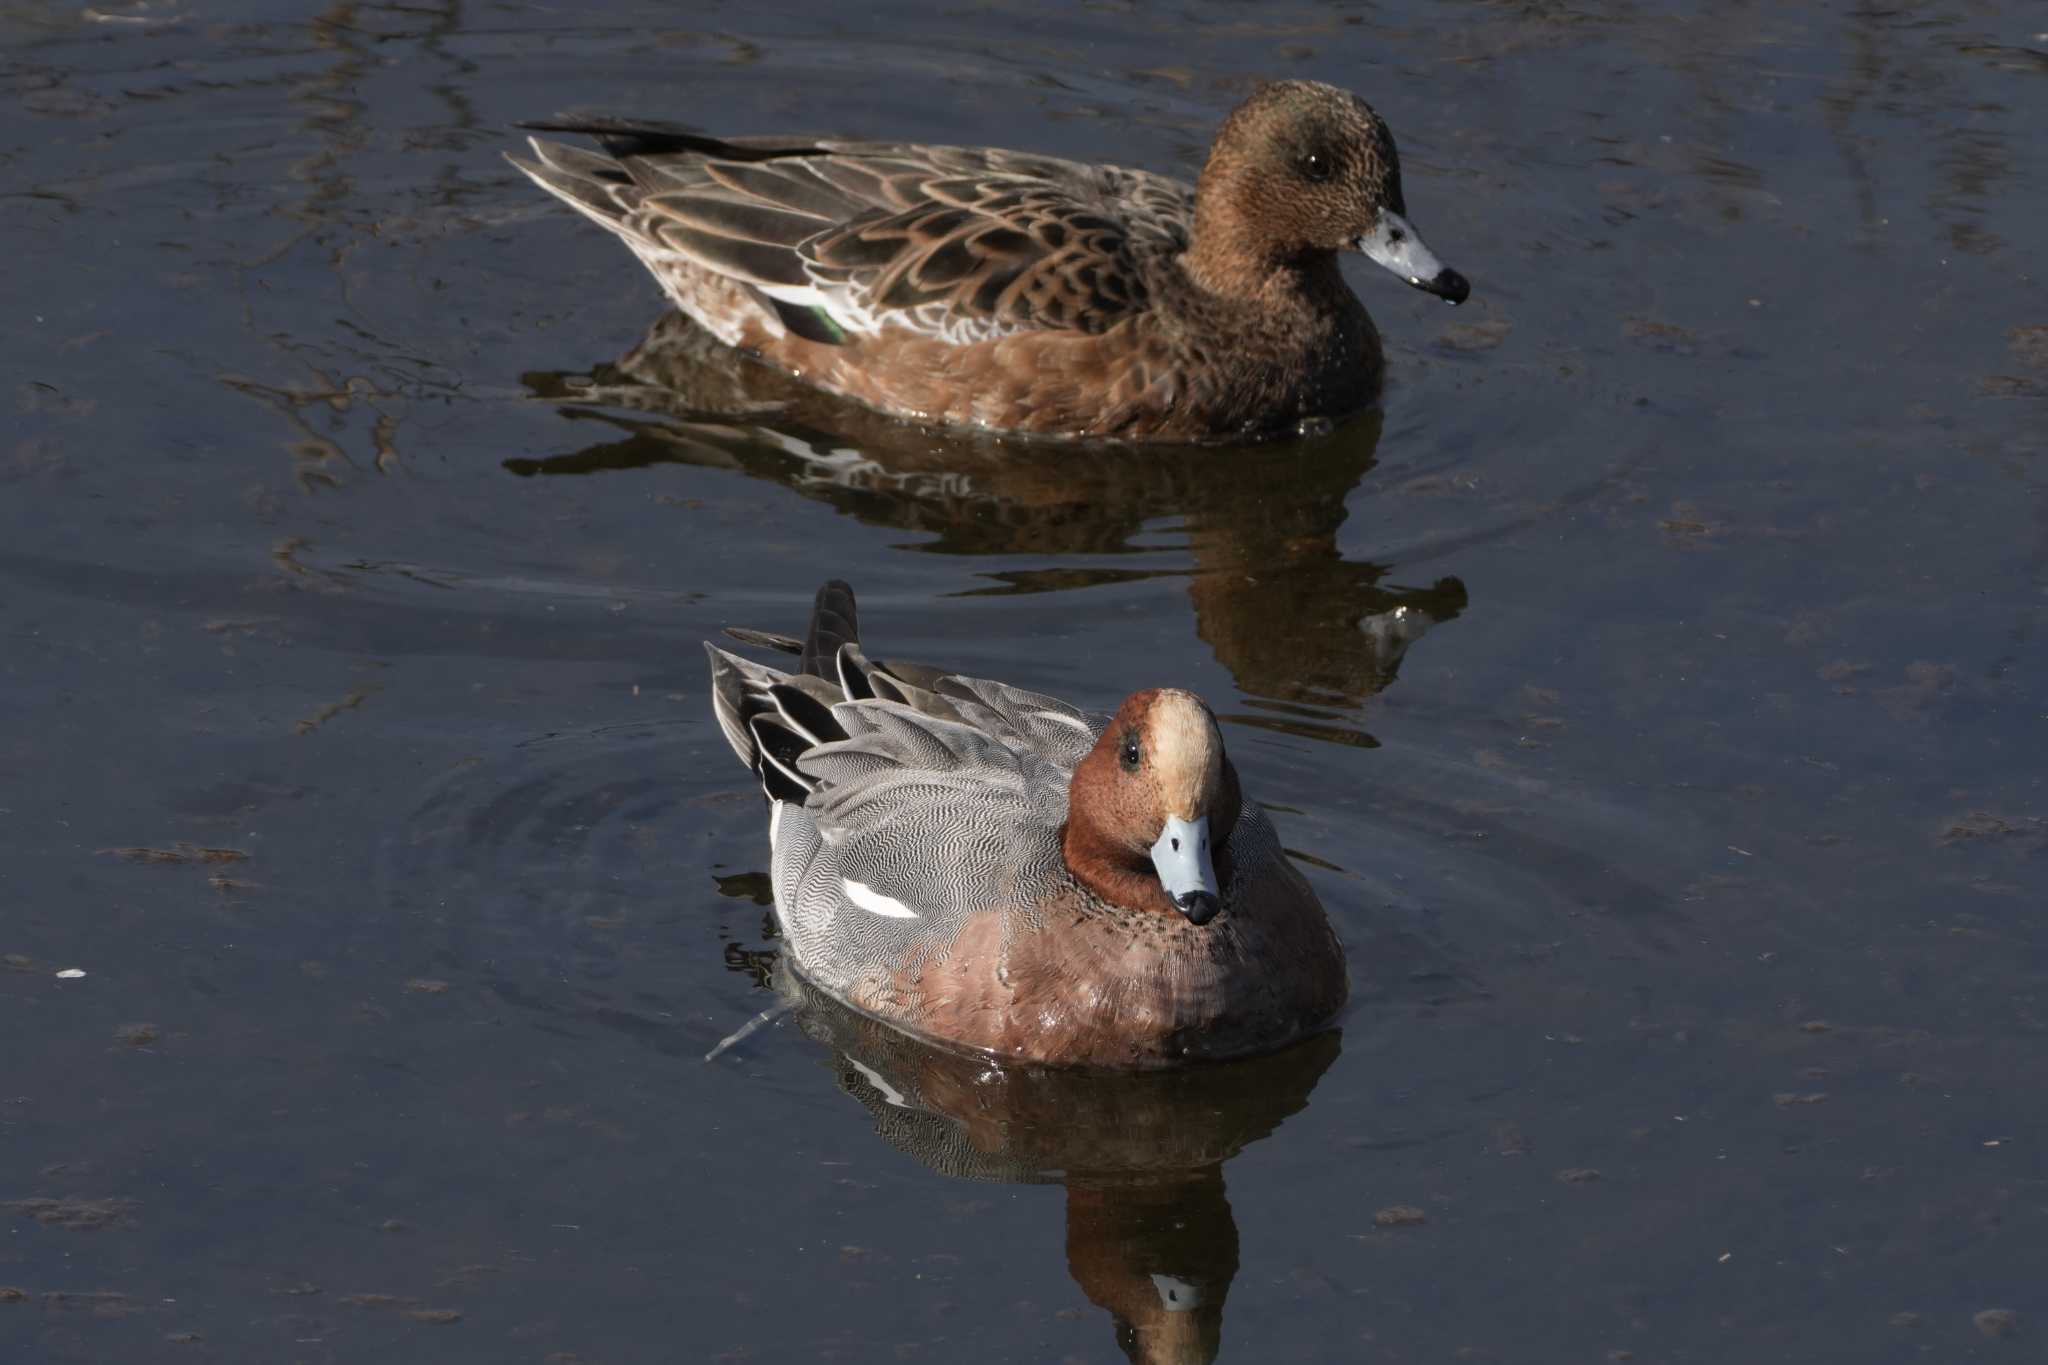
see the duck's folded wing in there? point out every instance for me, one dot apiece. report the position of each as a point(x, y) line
point(976, 258)
point(955, 243)
point(901, 767)
point(915, 824)
point(1060, 734)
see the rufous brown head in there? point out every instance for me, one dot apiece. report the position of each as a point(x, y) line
point(1152, 805)
point(1302, 169)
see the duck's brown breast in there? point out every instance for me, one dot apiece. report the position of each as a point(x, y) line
point(1077, 982)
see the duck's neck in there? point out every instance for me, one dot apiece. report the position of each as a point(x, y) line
point(1107, 870)
point(1125, 876)
point(1222, 262)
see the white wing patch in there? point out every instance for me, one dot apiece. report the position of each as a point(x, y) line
point(874, 902)
point(832, 299)
point(1060, 718)
point(850, 308)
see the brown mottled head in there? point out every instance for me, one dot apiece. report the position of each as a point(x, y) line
point(1152, 806)
point(1299, 171)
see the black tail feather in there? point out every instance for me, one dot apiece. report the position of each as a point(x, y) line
point(780, 748)
point(854, 674)
point(806, 715)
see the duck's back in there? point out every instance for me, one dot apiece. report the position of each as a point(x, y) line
point(843, 240)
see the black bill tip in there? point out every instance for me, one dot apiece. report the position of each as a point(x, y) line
point(1199, 906)
point(1448, 285)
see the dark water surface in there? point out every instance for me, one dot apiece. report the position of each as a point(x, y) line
point(1654, 691)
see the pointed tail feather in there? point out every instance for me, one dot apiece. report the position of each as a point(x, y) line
point(772, 719)
point(653, 137)
point(580, 179)
point(738, 694)
point(766, 639)
point(835, 621)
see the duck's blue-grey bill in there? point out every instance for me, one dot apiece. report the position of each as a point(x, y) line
point(1181, 857)
point(1394, 244)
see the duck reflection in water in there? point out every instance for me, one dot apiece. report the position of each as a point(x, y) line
point(1150, 1235)
point(1298, 626)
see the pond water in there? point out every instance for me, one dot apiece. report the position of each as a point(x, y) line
point(1652, 689)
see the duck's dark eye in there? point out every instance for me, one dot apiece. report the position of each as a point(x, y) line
point(1128, 753)
point(1315, 166)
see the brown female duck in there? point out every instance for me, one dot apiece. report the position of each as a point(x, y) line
point(1014, 292)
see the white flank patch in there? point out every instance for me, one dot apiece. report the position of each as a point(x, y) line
point(1074, 721)
point(874, 902)
point(889, 1092)
point(775, 825)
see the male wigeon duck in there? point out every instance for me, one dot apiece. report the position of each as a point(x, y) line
point(1015, 292)
point(991, 868)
